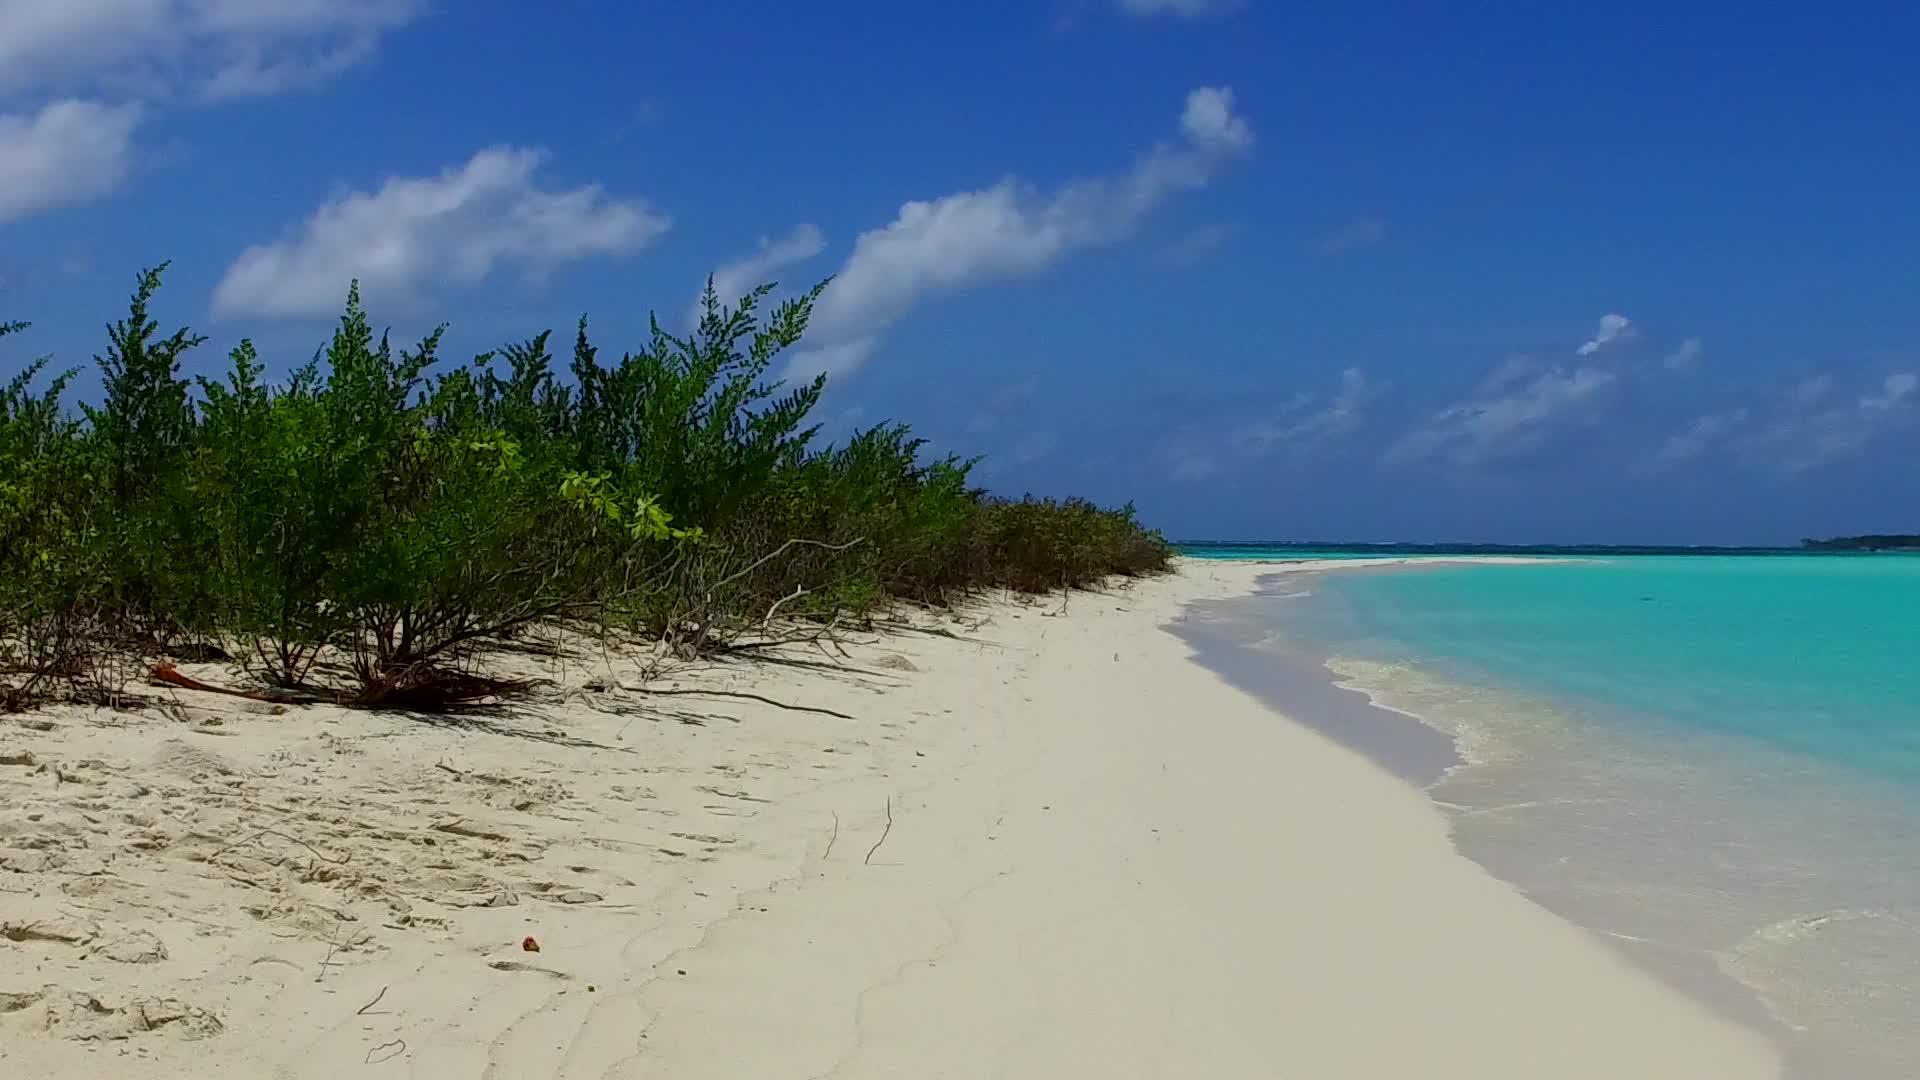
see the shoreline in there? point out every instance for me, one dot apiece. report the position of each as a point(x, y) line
point(1056, 846)
point(1315, 689)
point(1763, 881)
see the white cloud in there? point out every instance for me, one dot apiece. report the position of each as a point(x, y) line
point(1209, 120)
point(260, 75)
point(1686, 356)
point(69, 152)
point(87, 66)
point(1007, 230)
point(211, 48)
point(457, 226)
point(1343, 411)
point(1359, 234)
point(1696, 438)
point(1612, 328)
point(1897, 388)
point(833, 361)
point(1511, 370)
point(1804, 437)
point(1496, 426)
point(1188, 9)
point(735, 279)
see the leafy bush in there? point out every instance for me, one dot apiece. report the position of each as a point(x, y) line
point(394, 515)
point(48, 554)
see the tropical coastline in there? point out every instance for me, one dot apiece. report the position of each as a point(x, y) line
point(750, 564)
point(1713, 794)
point(1044, 842)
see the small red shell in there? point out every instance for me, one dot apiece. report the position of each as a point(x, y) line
point(527, 944)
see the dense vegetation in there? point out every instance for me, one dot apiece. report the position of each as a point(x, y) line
point(1874, 542)
point(360, 528)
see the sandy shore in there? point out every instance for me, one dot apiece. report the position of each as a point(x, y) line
point(1057, 848)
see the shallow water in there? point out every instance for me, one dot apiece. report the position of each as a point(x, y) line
point(1715, 762)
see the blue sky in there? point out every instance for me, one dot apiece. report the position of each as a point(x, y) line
point(1494, 272)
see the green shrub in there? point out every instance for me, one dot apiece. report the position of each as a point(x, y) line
point(49, 550)
point(379, 509)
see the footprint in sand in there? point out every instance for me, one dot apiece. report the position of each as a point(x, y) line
point(564, 894)
point(131, 947)
point(84, 1018)
point(51, 928)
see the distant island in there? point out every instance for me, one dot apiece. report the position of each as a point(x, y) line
point(1877, 542)
point(1305, 549)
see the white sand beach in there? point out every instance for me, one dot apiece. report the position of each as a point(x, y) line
point(1052, 846)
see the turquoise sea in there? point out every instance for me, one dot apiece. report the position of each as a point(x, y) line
point(1713, 761)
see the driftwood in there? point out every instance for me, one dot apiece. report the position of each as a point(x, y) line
point(166, 674)
point(741, 694)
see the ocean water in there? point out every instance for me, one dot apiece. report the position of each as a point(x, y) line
point(1714, 762)
point(1272, 551)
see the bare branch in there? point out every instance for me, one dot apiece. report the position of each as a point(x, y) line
point(884, 833)
point(740, 694)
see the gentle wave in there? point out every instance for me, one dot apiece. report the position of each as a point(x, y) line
point(1684, 865)
point(1775, 882)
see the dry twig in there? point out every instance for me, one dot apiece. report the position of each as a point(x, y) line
point(740, 694)
point(333, 946)
point(868, 861)
point(798, 592)
point(276, 832)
